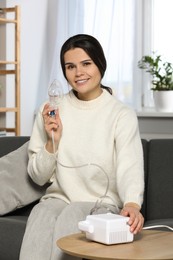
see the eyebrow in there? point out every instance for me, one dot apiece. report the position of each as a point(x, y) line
point(69, 63)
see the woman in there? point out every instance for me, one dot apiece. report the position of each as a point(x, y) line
point(91, 148)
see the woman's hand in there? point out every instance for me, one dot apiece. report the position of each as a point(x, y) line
point(136, 220)
point(53, 128)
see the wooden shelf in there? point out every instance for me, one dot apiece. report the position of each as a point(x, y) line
point(3, 20)
point(5, 72)
point(15, 63)
point(8, 130)
point(8, 62)
point(8, 109)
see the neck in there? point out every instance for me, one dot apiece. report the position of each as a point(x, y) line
point(89, 96)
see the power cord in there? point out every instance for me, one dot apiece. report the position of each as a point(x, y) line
point(159, 226)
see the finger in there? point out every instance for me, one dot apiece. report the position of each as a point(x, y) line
point(137, 224)
point(45, 112)
point(51, 125)
point(137, 228)
point(134, 225)
point(45, 109)
point(132, 218)
point(124, 213)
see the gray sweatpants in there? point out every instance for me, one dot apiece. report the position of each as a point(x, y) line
point(48, 221)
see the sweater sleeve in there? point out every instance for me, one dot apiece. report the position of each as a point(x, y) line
point(130, 173)
point(42, 164)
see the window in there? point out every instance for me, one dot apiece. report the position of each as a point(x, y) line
point(157, 37)
point(162, 28)
point(127, 30)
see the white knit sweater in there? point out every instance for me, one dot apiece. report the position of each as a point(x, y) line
point(103, 132)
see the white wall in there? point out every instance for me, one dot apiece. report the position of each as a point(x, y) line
point(37, 45)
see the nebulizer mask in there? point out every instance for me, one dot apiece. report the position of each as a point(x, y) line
point(55, 93)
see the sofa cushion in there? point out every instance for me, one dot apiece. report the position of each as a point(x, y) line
point(160, 180)
point(16, 187)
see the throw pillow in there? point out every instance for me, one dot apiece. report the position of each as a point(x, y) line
point(16, 187)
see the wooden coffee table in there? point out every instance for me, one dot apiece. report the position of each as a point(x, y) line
point(147, 245)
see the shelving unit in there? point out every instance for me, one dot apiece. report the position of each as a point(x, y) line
point(4, 71)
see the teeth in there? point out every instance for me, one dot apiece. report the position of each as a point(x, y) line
point(81, 81)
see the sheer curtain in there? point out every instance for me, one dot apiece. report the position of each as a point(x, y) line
point(117, 25)
point(113, 22)
point(69, 16)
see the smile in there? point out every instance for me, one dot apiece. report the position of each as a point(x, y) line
point(81, 81)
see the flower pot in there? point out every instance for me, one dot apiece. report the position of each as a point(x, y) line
point(163, 100)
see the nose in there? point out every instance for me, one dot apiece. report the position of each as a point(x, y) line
point(79, 70)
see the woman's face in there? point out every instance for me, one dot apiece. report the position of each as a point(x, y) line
point(82, 74)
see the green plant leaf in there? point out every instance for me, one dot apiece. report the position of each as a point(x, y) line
point(161, 71)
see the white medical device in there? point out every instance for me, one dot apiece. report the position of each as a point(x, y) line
point(55, 93)
point(107, 228)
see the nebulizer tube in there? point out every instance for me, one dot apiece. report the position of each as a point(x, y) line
point(55, 93)
point(100, 206)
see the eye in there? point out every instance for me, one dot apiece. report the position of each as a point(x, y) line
point(70, 66)
point(86, 63)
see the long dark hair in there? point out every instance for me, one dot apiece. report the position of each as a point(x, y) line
point(91, 46)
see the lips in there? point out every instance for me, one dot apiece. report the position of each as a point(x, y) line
point(81, 81)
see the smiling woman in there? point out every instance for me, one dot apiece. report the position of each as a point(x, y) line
point(89, 128)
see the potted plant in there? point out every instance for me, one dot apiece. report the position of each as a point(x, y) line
point(162, 80)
